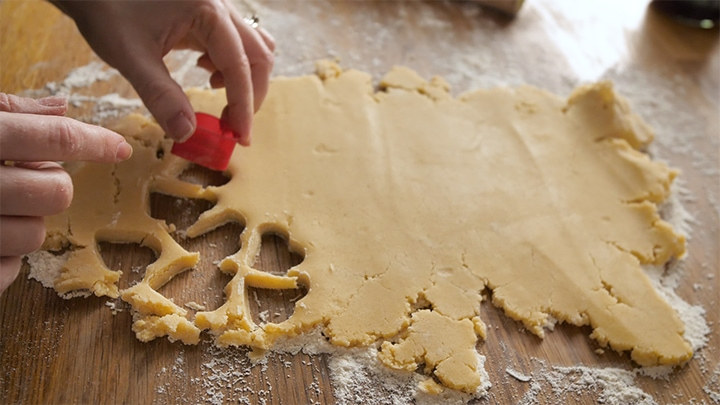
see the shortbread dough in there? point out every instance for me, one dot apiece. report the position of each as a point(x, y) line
point(406, 204)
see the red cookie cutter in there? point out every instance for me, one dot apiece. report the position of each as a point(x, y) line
point(211, 145)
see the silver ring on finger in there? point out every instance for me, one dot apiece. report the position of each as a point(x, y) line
point(253, 21)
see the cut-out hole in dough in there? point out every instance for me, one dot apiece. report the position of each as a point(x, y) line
point(205, 177)
point(273, 306)
point(202, 288)
point(276, 256)
point(182, 212)
point(130, 258)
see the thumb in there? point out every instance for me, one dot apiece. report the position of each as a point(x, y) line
point(44, 106)
point(163, 97)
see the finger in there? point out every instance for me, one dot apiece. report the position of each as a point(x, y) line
point(38, 165)
point(267, 38)
point(31, 137)
point(9, 270)
point(35, 193)
point(261, 62)
point(241, 21)
point(21, 235)
point(204, 61)
point(216, 31)
point(44, 106)
point(161, 94)
point(259, 53)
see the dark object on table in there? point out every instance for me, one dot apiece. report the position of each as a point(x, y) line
point(697, 13)
point(509, 8)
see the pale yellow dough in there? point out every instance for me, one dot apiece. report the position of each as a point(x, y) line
point(406, 203)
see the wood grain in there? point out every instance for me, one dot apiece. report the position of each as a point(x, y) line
point(76, 351)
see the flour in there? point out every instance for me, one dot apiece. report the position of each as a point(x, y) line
point(87, 75)
point(311, 343)
point(228, 368)
point(612, 386)
point(102, 107)
point(115, 306)
point(110, 106)
point(712, 388)
point(45, 267)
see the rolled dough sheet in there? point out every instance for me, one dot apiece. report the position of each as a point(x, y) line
point(406, 204)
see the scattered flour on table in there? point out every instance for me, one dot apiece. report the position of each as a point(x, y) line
point(358, 377)
point(83, 76)
point(667, 278)
point(116, 306)
point(108, 106)
point(611, 385)
point(103, 107)
point(712, 388)
point(226, 376)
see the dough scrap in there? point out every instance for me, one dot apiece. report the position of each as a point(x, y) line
point(407, 204)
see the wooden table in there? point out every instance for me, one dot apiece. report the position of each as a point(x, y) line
point(76, 351)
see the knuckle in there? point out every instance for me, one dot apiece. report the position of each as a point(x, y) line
point(63, 139)
point(270, 42)
point(5, 103)
point(155, 93)
point(244, 62)
point(266, 60)
point(209, 15)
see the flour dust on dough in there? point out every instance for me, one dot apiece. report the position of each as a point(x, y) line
point(407, 204)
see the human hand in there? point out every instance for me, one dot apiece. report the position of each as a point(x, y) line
point(133, 37)
point(33, 135)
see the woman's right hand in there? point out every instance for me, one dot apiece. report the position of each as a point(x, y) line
point(134, 36)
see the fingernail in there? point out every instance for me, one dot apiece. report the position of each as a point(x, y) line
point(180, 127)
point(124, 151)
point(52, 101)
